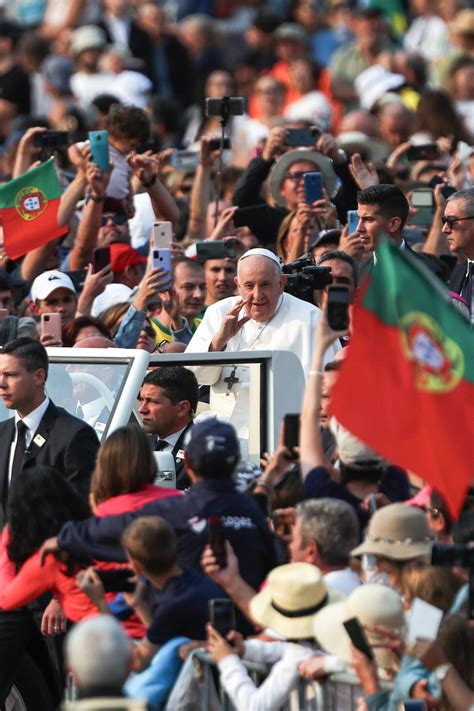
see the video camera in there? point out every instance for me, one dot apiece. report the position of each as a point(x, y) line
point(460, 555)
point(305, 277)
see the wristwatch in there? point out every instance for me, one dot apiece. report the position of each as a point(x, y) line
point(149, 183)
point(441, 672)
point(95, 198)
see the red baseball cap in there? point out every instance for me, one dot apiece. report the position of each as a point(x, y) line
point(122, 255)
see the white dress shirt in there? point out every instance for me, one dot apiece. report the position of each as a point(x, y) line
point(172, 439)
point(32, 421)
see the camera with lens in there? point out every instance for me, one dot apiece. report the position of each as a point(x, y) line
point(304, 278)
point(460, 555)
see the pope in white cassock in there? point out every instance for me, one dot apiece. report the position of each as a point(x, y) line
point(262, 317)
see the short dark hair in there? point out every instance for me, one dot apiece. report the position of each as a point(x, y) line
point(29, 352)
point(332, 366)
point(128, 122)
point(178, 383)
point(151, 541)
point(342, 257)
point(192, 263)
point(389, 199)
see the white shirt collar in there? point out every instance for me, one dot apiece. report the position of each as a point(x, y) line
point(33, 419)
point(92, 410)
point(402, 245)
point(173, 438)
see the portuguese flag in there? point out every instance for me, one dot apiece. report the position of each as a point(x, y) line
point(29, 210)
point(406, 387)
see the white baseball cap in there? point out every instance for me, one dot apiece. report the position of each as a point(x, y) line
point(47, 282)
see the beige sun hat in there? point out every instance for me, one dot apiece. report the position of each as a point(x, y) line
point(463, 23)
point(372, 605)
point(293, 595)
point(322, 164)
point(397, 532)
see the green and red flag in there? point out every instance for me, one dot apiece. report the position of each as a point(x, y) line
point(406, 387)
point(29, 210)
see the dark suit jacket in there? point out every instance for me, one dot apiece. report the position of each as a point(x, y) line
point(139, 43)
point(458, 276)
point(367, 266)
point(70, 446)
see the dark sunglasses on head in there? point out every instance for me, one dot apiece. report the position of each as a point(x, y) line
point(116, 219)
point(149, 330)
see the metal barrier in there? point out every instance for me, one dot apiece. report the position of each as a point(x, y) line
point(339, 692)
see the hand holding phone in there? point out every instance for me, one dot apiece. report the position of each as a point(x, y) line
point(51, 327)
point(217, 540)
point(162, 235)
point(313, 187)
point(358, 638)
point(291, 429)
point(222, 615)
point(161, 259)
point(99, 142)
point(338, 300)
point(100, 259)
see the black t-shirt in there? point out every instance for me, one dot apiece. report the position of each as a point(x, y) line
point(15, 88)
point(182, 607)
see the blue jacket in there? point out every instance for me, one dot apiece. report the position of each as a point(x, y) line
point(244, 523)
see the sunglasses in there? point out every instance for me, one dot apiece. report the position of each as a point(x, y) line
point(451, 221)
point(116, 219)
point(149, 330)
point(296, 177)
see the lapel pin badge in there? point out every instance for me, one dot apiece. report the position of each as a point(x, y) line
point(39, 440)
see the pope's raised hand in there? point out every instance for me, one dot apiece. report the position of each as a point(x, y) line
point(231, 325)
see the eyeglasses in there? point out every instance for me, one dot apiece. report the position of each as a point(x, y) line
point(116, 219)
point(451, 221)
point(296, 177)
point(159, 348)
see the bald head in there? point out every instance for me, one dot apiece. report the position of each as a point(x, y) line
point(260, 283)
point(395, 123)
point(361, 121)
point(95, 342)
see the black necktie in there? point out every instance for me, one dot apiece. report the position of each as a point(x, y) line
point(20, 447)
point(161, 444)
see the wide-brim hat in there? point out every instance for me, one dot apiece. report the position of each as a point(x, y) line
point(359, 142)
point(293, 595)
point(371, 604)
point(397, 532)
point(463, 23)
point(322, 164)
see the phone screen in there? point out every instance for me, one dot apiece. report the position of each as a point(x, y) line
point(422, 198)
point(292, 432)
point(338, 307)
point(222, 615)
point(217, 540)
point(101, 258)
point(352, 221)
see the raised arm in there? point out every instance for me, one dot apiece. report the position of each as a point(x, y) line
point(145, 168)
point(201, 192)
point(86, 239)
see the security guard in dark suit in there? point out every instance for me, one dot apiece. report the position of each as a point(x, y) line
point(168, 401)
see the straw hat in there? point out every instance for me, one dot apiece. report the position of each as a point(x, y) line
point(397, 532)
point(322, 164)
point(372, 605)
point(293, 595)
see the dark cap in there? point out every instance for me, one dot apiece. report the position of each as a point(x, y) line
point(324, 237)
point(212, 439)
point(116, 206)
point(10, 29)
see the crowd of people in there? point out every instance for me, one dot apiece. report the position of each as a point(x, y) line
point(275, 145)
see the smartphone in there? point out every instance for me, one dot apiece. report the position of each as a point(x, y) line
point(187, 160)
point(216, 249)
point(352, 221)
point(119, 580)
point(51, 326)
point(427, 151)
point(292, 433)
point(215, 143)
point(162, 235)
point(222, 615)
point(313, 187)
point(423, 200)
point(338, 307)
point(301, 137)
point(217, 540)
point(51, 139)
point(447, 191)
point(357, 636)
point(100, 259)
point(99, 142)
point(78, 277)
point(161, 259)
point(413, 705)
point(225, 106)
point(3, 313)
point(425, 620)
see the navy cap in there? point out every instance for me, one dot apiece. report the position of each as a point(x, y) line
point(212, 438)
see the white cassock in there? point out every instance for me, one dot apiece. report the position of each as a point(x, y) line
point(292, 328)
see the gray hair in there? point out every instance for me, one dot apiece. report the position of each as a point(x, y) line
point(333, 525)
point(98, 653)
point(467, 196)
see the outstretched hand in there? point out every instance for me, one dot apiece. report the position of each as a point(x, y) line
point(231, 325)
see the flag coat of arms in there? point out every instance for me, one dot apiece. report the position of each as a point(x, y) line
point(406, 387)
point(29, 210)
